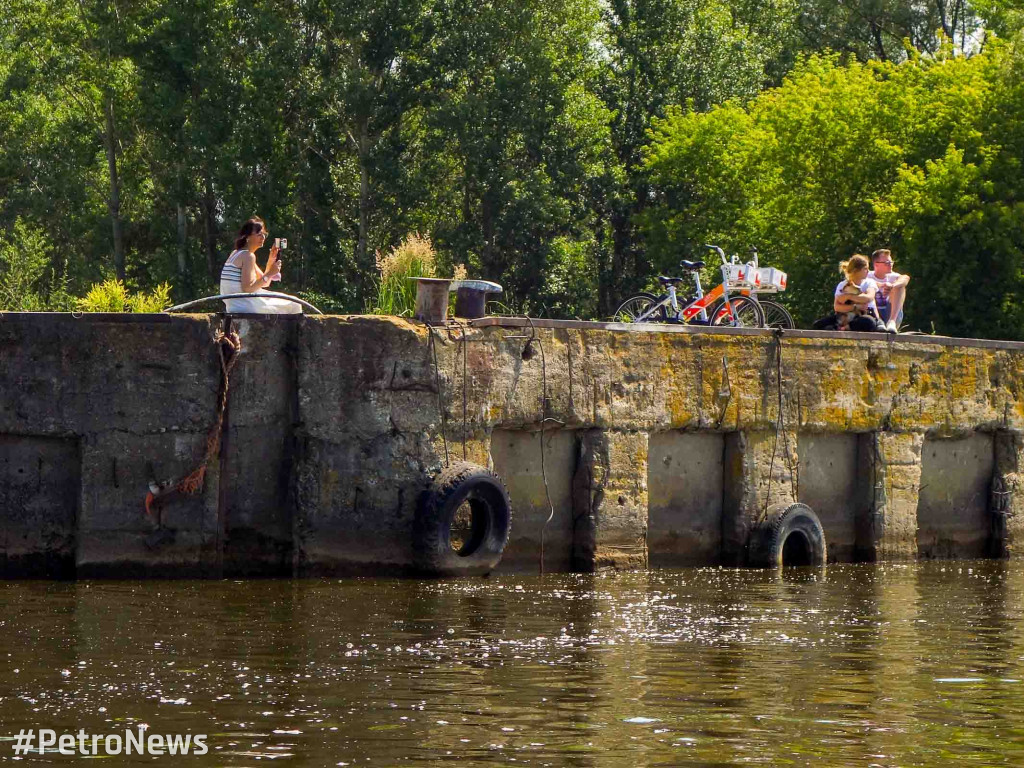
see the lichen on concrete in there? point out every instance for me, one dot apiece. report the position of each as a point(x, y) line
point(337, 425)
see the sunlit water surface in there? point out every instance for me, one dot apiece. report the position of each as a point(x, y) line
point(854, 665)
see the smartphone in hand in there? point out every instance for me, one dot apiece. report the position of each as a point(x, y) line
point(280, 243)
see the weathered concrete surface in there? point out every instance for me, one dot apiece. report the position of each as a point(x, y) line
point(760, 472)
point(130, 401)
point(830, 483)
point(953, 515)
point(685, 498)
point(895, 459)
point(538, 491)
point(610, 500)
point(335, 426)
point(1007, 499)
point(39, 481)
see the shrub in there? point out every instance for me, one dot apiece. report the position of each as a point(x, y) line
point(112, 296)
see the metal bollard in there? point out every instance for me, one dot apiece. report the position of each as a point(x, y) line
point(471, 297)
point(431, 299)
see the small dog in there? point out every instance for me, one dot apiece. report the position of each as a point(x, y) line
point(843, 318)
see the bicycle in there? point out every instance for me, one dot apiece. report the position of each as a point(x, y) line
point(770, 281)
point(716, 308)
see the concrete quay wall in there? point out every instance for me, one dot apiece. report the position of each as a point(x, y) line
point(662, 447)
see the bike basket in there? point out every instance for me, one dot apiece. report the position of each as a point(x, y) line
point(742, 275)
point(771, 280)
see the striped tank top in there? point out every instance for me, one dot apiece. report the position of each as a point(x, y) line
point(231, 282)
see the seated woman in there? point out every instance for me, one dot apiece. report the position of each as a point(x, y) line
point(860, 305)
point(241, 274)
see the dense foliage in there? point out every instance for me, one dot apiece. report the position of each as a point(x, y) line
point(567, 149)
point(922, 157)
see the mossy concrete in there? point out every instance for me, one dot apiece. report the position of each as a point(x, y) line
point(336, 426)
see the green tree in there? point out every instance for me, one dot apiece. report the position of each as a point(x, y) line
point(840, 159)
point(509, 101)
point(67, 114)
point(661, 54)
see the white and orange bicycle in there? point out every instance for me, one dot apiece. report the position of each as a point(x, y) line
point(731, 303)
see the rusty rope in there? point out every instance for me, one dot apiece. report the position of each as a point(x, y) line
point(228, 346)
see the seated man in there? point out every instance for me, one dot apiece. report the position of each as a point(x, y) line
point(892, 289)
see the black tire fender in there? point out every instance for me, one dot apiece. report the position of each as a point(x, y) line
point(490, 518)
point(769, 538)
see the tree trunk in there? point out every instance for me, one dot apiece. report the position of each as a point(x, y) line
point(182, 221)
point(364, 204)
point(876, 35)
point(303, 165)
point(210, 225)
point(182, 233)
point(604, 298)
point(487, 229)
point(114, 202)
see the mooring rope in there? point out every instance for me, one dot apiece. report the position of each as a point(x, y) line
point(440, 406)
point(228, 346)
point(543, 423)
point(465, 380)
point(777, 332)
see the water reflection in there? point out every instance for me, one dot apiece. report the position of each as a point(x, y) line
point(901, 664)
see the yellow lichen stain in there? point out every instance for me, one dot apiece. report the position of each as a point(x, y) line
point(328, 483)
point(866, 390)
point(963, 378)
point(676, 381)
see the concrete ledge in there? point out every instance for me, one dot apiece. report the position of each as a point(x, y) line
point(663, 443)
point(701, 330)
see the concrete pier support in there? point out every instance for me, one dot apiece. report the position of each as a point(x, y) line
point(537, 492)
point(610, 500)
point(685, 486)
point(760, 471)
point(889, 531)
point(1007, 498)
point(833, 483)
point(953, 517)
point(39, 490)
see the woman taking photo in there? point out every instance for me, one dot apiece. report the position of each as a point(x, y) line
point(241, 274)
point(861, 304)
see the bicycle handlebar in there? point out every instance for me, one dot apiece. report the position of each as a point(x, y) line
point(725, 260)
point(717, 250)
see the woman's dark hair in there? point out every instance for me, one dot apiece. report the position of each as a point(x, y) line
point(251, 227)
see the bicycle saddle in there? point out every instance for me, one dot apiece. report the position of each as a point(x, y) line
point(669, 280)
point(692, 266)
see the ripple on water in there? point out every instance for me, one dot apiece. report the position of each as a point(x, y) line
point(895, 665)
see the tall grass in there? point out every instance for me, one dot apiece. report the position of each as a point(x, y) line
point(396, 294)
point(413, 257)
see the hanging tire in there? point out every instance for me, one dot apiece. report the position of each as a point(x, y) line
point(790, 535)
point(463, 522)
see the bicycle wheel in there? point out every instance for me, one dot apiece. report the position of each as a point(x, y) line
point(744, 309)
point(776, 315)
point(639, 305)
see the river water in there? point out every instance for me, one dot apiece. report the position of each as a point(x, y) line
point(860, 665)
